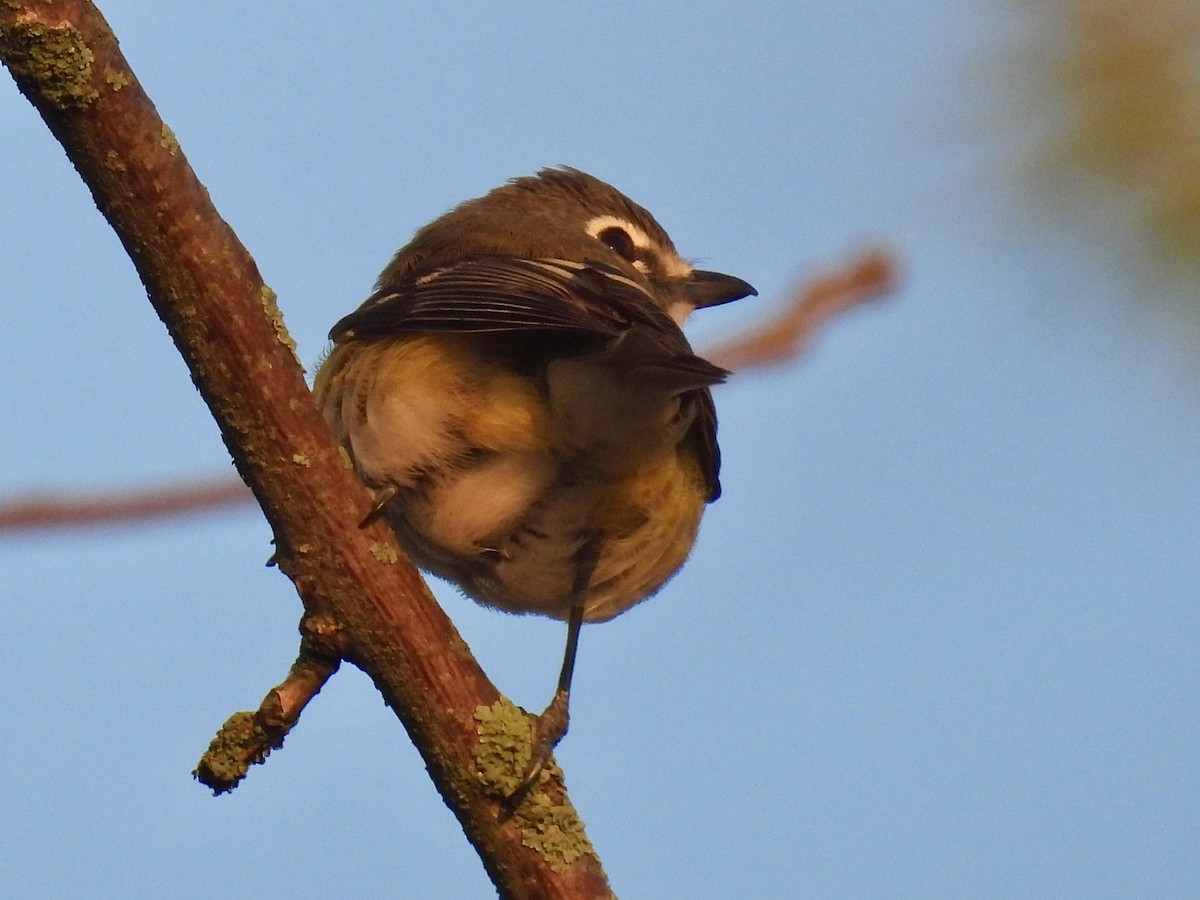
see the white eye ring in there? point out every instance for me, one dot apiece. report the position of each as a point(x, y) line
point(671, 264)
point(640, 239)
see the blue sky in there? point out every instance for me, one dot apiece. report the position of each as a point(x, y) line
point(938, 638)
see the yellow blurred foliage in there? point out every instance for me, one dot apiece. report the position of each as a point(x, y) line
point(1118, 85)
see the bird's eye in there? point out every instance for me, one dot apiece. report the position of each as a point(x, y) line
point(619, 241)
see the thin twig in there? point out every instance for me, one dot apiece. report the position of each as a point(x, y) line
point(70, 510)
point(246, 738)
point(786, 336)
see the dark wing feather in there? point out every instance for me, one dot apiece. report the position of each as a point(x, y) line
point(495, 294)
point(505, 294)
point(704, 430)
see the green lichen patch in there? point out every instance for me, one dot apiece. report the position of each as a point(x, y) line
point(554, 830)
point(53, 59)
point(116, 79)
point(384, 553)
point(167, 140)
point(505, 742)
point(238, 745)
point(550, 827)
point(270, 306)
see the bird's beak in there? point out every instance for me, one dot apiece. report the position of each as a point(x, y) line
point(703, 289)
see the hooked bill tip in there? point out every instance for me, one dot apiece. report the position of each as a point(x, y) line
point(704, 289)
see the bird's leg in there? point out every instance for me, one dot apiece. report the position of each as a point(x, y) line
point(551, 725)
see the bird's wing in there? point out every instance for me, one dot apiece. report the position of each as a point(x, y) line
point(496, 294)
point(483, 295)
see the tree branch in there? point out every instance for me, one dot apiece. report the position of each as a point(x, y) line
point(223, 319)
point(246, 739)
point(68, 510)
point(817, 300)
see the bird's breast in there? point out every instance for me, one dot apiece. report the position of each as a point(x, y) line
point(496, 489)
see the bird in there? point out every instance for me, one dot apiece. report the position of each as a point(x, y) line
point(520, 399)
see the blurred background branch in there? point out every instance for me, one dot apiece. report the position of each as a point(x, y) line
point(779, 341)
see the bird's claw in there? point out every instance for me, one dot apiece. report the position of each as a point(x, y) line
point(547, 730)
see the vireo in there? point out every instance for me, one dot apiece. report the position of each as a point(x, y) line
point(519, 395)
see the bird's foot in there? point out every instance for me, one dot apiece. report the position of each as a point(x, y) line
point(548, 729)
